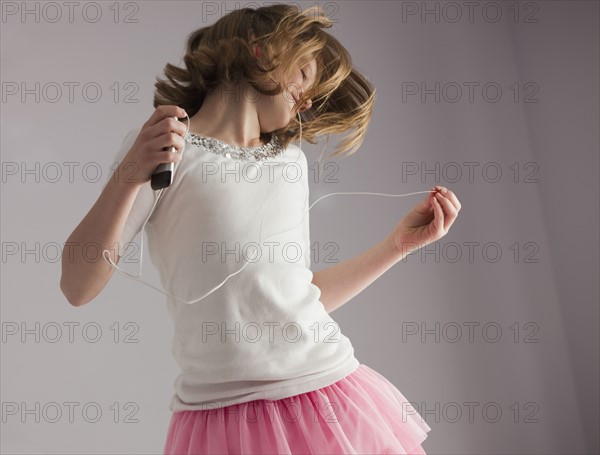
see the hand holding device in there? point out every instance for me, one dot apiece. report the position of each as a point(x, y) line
point(163, 176)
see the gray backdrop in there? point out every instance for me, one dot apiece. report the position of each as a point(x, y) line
point(493, 334)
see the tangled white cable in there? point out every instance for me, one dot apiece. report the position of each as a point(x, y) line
point(106, 253)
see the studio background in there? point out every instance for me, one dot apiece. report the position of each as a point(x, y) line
point(532, 229)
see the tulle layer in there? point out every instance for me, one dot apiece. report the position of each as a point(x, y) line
point(363, 413)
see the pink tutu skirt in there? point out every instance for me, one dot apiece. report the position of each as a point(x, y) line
point(362, 413)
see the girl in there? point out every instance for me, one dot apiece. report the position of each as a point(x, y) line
point(264, 367)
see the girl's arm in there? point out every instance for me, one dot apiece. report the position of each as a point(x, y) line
point(85, 275)
point(427, 222)
point(85, 271)
point(343, 281)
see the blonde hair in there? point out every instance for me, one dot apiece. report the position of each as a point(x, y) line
point(342, 98)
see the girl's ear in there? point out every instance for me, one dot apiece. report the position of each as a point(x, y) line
point(256, 46)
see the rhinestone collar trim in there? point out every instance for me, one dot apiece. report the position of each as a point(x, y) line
point(262, 152)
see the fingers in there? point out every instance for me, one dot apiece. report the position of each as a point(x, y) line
point(438, 220)
point(164, 127)
point(163, 111)
point(170, 124)
point(450, 195)
point(168, 139)
point(169, 132)
point(450, 204)
point(168, 157)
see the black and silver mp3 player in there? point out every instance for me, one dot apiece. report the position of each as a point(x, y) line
point(163, 175)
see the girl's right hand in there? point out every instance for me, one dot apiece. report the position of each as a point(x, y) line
point(147, 152)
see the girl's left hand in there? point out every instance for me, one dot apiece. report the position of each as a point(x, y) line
point(428, 221)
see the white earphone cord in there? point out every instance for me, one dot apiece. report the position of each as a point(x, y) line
point(106, 253)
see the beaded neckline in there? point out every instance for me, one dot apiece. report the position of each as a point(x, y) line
point(262, 152)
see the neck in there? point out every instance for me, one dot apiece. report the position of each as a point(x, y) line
point(227, 115)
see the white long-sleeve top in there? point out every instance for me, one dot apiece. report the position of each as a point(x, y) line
point(264, 334)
